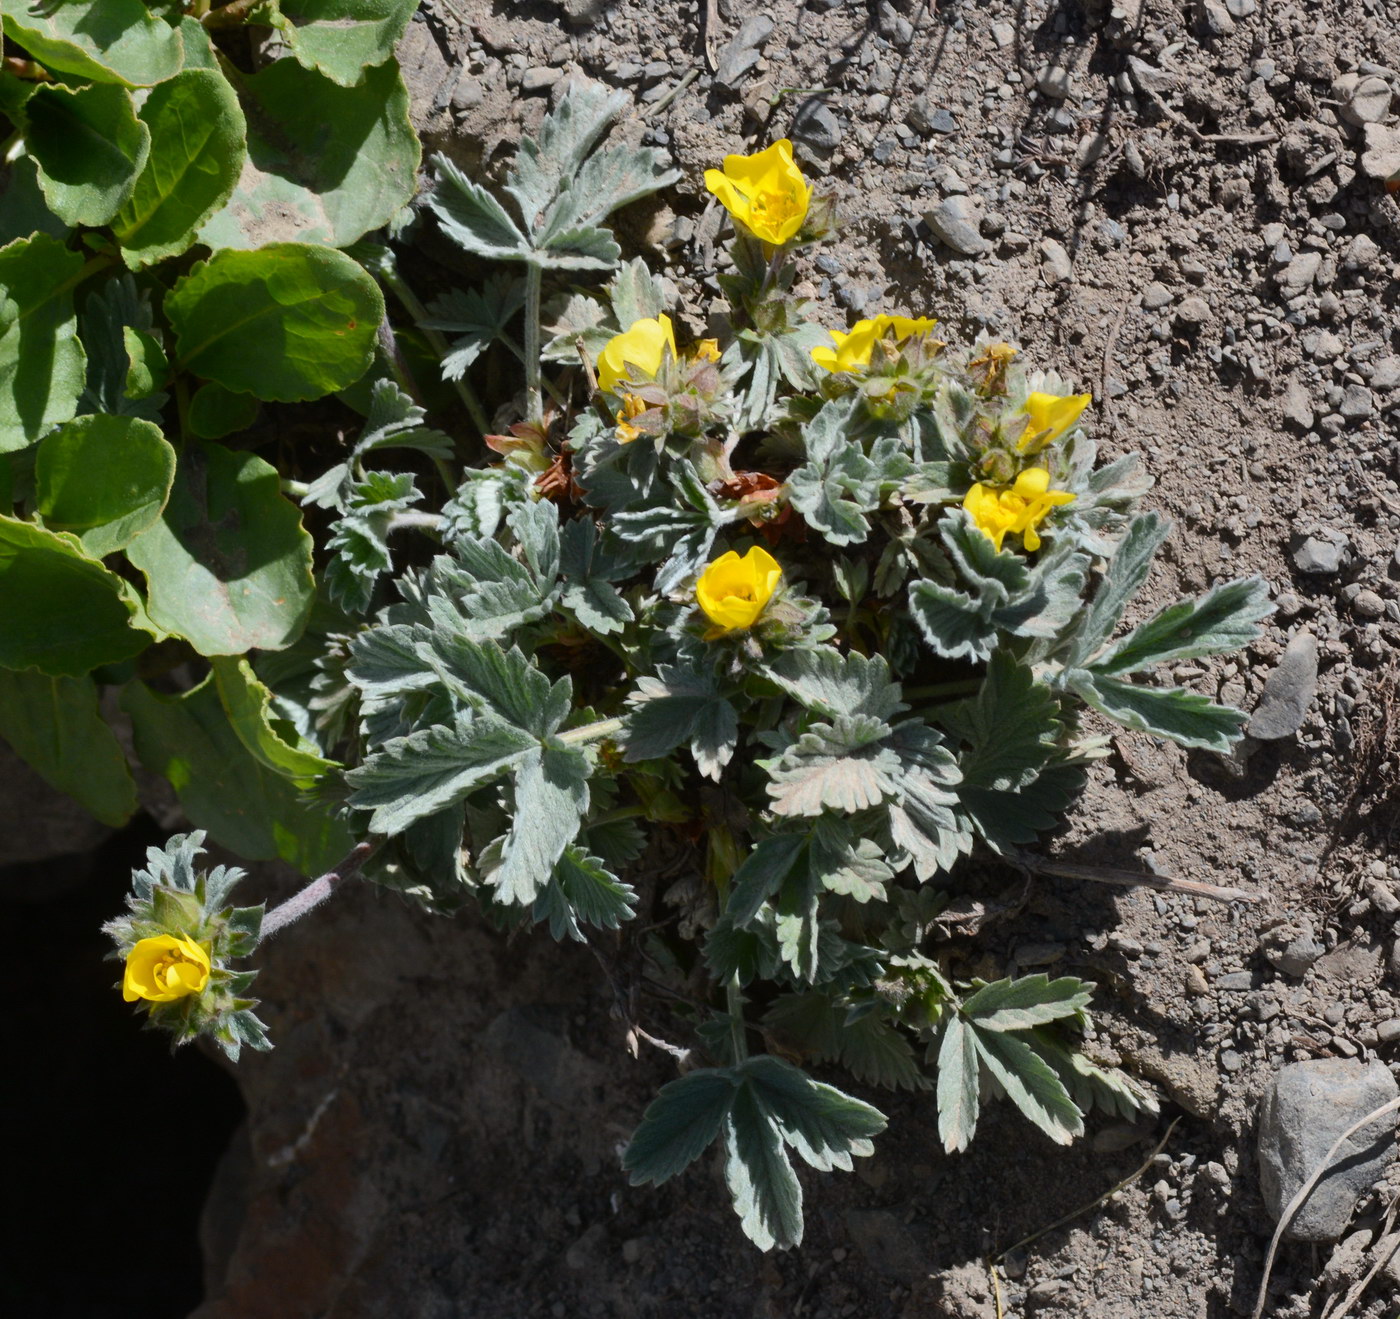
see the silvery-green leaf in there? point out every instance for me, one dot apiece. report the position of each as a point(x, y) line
point(762, 873)
point(842, 766)
point(588, 571)
point(1010, 727)
point(583, 892)
point(1187, 718)
point(476, 317)
point(550, 799)
point(766, 1193)
point(1126, 573)
point(679, 706)
point(923, 818)
point(387, 661)
point(502, 682)
point(825, 1127)
point(1092, 1086)
point(635, 293)
point(959, 1095)
point(473, 218)
point(830, 683)
point(879, 1053)
point(1033, 1000)
point(1030, 1083)
point(680, 1124)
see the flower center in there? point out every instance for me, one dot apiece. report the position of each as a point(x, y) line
point(776, 207)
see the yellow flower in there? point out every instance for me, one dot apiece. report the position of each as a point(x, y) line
point(641, 348)
point(1051, 415)
point(632, 406)
point(165, 968)
point(1018, 508)
point(852, 351)
point(765, 192)
point(733, 591)
point(707, 350)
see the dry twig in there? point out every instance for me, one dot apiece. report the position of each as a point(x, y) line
point(1134, 879)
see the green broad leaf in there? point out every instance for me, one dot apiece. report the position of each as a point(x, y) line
point(270, 740)
point(959, 1085)
point(762, 873)
point(41, 360)
point(105, 479)
point(1030, 1083)
point(1222, 620)
point(24, 210)
point(65, 614)
point(1028, 1001)
point(1091, 1086)
point(831, 684)
point(53, 725)
point(412, 777)
point(199, 48)
point(1186, 718)
point(682, 706)
point(841, 766)
point(473, 218)
point(582, 891)
point(285, 323)
point(326, 164)
point(341, 38)
point(198, 136)
point(108, 41)
point(826, 1127)
point(215, 411)
point(879, 1053)
point(228, 566)
point(765, 1190)
point(89, 147)
point(1126, 573)
point(147, 367)
point(1010, 727)
point(551, 798)
point(250, 809)
point(679, 1125)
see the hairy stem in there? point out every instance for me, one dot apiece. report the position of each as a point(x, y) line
point(315, 893)
point(592, 732)
point(415, 520)
point(534, 400)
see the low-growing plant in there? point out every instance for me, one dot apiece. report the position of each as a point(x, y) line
point(808, 617)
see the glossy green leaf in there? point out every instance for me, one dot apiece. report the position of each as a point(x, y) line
point(326, 164)
point(64, 613)
point(340, 38)
point(105, 41)
point(147, 367)
point(53, 724)
point(24, 210)
point(271, 741)
point(198, 137)
point(288, 322)
point(105, 479)
point(89, 147)
point(41, 360)
point(228, 566)
point(216, 411)
point(247, 807)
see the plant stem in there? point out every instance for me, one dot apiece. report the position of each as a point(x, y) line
point(315, 893)
point(734, 1006)
point(294, 489)
point(534, 401)
point(437, 341)
point(415, 520)
point(592, 732)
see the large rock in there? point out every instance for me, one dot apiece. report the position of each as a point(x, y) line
point(1305, 1109)
point(1288, 692)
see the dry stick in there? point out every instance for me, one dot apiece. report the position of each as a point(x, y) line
point(655, 111)
point(1382, 1260)
point(1239, 139)
point(1135, 878)
point(1292, 1207)
point(711, 25)
point(1092, 1205)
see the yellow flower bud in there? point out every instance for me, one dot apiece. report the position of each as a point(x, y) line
point(765, 192)
point(1051, 415)
point(632, 406)
point(164, 968)
point(733, 591)
point(1019, 507)
point(639, 349)
point(853, 350)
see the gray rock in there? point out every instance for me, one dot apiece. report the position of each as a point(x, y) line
point(1357, 403)
point(1381, 157)
point(1298, 275)
point(817, 127)
point(1150, 78)
point(1385, 374)
point(1368, 604)
point(1156, 296)
point(1288, 692)
point(1298, 408)
point(740, 52)
point(1307, 1106)
point(923, 117)
point(1058, 266)
point(1235, 981)
point(583, 12)
point(1214, 17)
point(1241, 8)
point(1193, 311)
point(954, 222)
point(1053, 81)
point(539, 79)
point(1368, 102)
point(1319, 557)
point(1291, 947)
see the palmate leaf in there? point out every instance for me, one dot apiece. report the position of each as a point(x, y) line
point(1033, 1000)
point(826, 1127)
point(473, 218)
point(798, 927)
point(879, 1053)
point(359, 544)
point(1186, 718)
point(1029, 1082)
point(500, 682)
point(550, 800)
point(762, 873)
point(830, 683)
point(765, 1190)
point(682, 706)
point(679, 1125)
point(924, 820)
point(842, 766)
point(1126, 573)
point(388, 661)
point(959, 1085)
point(416, 776)
point(583, 892)
point(476, 317)
point(1224, 619)
point(588, 571)
point(1009, 728)
point(1092, 1086)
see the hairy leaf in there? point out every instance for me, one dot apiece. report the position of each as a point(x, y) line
point(959, 1092)
point(583, 892)
point(111, 41)
point(1185, 717)
point(830, 683)
point(679, 706)
point(765, 1191)
point(841, 766)
point(1029, 1001)
point(1126, 573)
point(824, 1126)
point(1030, 1083)
point(342, 38)
point(679, 1125)
point(551, 798)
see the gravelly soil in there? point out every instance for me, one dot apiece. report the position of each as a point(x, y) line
point(1171, 205)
